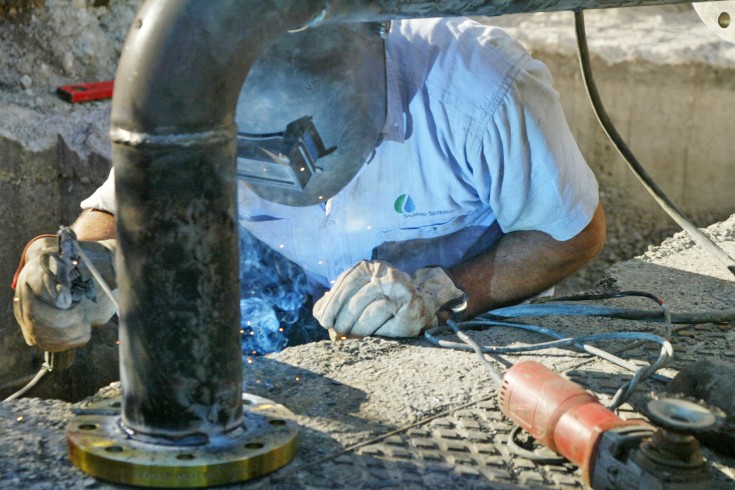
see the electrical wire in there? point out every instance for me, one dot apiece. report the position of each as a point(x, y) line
point(495, 374)
point(551, 308)
point(641, 373)
point(549, 458)
point(41, 373)
point(695, 233)
point(96, 273)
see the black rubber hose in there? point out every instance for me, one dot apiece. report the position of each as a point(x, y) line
point(695, 233)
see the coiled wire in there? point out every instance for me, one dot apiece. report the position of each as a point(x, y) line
point(493, 319)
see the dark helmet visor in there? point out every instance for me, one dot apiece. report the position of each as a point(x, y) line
point(311, 111)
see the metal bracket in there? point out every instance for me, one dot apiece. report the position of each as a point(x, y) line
point(719, 17)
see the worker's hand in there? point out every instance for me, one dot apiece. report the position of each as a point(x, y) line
point(54, 316)
point(375, 298)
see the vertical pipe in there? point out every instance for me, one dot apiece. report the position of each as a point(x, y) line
point(174, 156)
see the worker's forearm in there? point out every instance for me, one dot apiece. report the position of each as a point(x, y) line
point(523, 264)
point(94, 225)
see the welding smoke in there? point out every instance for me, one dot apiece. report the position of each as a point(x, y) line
point(275, 300)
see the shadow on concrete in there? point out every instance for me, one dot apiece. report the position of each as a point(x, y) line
point(311, 395)
point(96, 364)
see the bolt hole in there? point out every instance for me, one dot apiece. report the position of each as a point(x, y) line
point(88, 426)
point(277, 422)
point(114, 449)
point(254, 445)
point(247, 402)
point(724, 20)
point(185, 457)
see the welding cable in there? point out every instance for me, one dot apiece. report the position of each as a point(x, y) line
point(623, 393)
point(46, 368)
point(95, 273)
point(664, 315)
point(490, 319)
point(621, 313)
point(641, 372)
point(495, 374)
point(599, 109)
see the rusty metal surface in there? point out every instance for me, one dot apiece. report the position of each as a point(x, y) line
point(362, 10)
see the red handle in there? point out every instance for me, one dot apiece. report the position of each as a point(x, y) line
point(82, 92)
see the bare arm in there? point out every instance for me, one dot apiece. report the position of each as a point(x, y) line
point(525, 263)
point(94, 225)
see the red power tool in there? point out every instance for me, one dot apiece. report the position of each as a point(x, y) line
point(611, 453)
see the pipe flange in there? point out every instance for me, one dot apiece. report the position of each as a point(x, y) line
point(99, 447)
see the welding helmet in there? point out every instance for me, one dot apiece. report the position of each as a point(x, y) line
point(310, 112)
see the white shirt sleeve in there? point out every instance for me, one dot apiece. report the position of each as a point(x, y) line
point(533, 174)
point(104, 197)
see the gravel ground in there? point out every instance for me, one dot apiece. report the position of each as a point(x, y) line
point(378, 413)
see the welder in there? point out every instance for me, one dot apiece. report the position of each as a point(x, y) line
point(443, 168)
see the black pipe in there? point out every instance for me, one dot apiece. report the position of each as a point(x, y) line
point(177, 85)
point(176, 89)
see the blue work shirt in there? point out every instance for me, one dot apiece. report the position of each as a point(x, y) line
point(475, 146)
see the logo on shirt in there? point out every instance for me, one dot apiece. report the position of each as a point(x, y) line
point(404, 204)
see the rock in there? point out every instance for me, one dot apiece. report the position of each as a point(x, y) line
point(26, 82)
point(67, 62)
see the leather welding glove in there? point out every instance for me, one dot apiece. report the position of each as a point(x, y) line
point(52, 315)
point(375, 298)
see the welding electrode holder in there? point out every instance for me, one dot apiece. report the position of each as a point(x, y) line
point(611, 453)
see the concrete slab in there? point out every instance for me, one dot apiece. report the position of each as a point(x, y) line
point(379, 413)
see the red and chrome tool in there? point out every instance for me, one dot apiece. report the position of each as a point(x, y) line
point(83, 92)
point(611, 453)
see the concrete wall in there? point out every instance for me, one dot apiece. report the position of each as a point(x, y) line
point(677, 120)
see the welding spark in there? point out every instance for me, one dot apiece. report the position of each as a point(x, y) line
point(275, 306)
